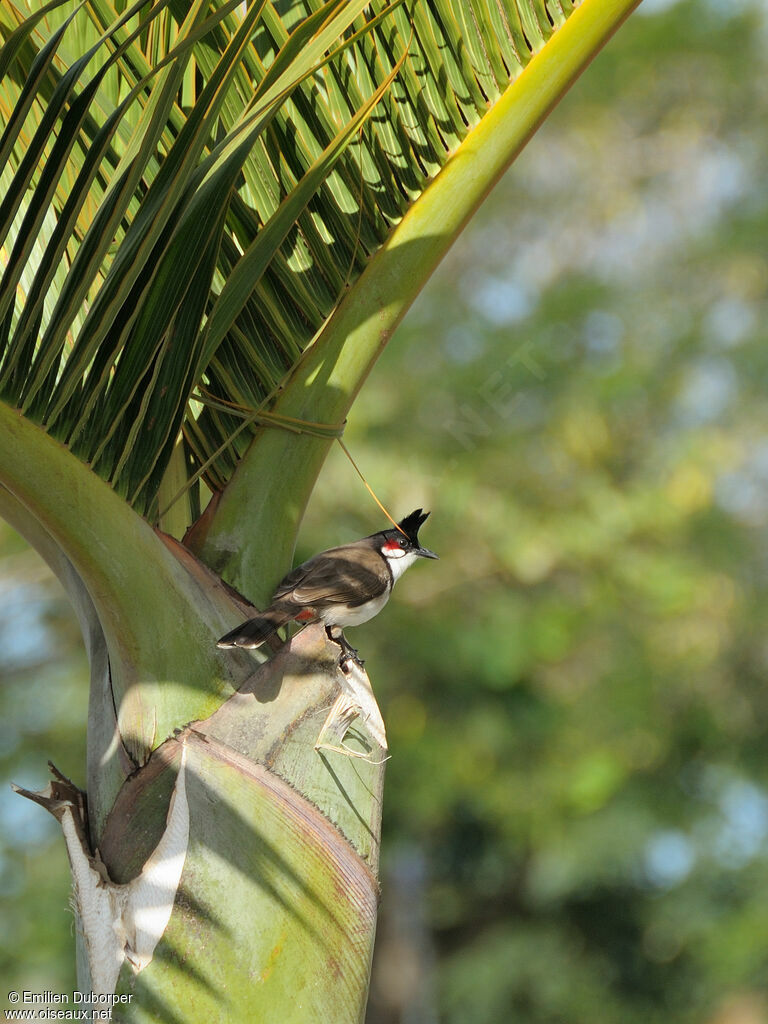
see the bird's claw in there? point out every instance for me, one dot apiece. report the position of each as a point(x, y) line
point(348, 652)
point(349, 656)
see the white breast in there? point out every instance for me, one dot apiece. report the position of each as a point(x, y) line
point(343, 615)
point(399, 561)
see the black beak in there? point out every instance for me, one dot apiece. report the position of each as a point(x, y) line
point(425, 553)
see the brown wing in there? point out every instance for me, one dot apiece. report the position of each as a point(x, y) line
point(348, 575)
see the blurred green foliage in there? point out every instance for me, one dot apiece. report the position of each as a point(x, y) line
point(43, 710)
point(576, 811)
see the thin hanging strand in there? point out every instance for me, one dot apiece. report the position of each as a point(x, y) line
point(369, 488)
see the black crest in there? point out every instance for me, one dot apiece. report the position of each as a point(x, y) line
point(411, 525)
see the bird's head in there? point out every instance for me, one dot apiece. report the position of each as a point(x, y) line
point(403, 540)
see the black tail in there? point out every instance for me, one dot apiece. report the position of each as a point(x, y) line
point(253, 632)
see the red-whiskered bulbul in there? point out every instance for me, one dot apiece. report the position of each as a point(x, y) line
point(340, 587)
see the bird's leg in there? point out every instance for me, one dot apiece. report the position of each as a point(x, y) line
point(348, 652)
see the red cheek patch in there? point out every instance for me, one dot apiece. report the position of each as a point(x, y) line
point(391, 545)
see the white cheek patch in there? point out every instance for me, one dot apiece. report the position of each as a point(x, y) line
point(393, 552)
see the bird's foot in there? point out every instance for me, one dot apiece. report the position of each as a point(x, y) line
point(348, 652)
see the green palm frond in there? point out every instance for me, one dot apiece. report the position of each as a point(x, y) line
point(190, 187)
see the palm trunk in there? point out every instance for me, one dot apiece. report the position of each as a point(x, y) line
point(234, 875)
point(223, 867)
